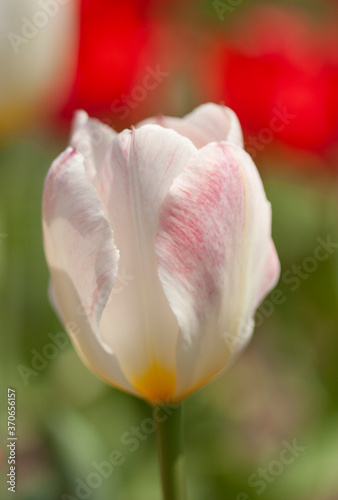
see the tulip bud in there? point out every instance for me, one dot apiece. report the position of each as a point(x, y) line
point(178, 206)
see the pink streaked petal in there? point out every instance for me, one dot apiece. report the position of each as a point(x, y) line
point(82, 259)
point(207, 123)
point(92, 139)
point(212, 246)
point(138, 323)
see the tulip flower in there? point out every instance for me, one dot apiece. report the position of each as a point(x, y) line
point(179, 210)
point(158, 242)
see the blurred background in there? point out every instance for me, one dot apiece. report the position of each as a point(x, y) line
point(276, 64)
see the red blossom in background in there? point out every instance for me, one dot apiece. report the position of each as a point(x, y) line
point(120, 45)
point(113, 36)
point(277, 59)
point(270, 58)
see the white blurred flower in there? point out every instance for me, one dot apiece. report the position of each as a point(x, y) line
point(38, 44)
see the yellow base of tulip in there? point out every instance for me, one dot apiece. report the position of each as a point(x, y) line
point(156, 384)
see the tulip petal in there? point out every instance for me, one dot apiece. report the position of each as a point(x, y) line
point(138, 322)
point(271, 274)
point(92, 139)
point(82, 259)
point(207, 123)
point(212, 247)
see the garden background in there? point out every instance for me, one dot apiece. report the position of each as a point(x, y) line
point(276, 64)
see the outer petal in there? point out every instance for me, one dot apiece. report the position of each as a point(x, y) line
point(207, 123)
point(82, 259)
point(270, 275)
point(138, 323)
point(213, 244)
point(92, 139)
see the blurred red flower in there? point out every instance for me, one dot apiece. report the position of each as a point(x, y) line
point(133, 60)
point(113, 36)
point(276, 59)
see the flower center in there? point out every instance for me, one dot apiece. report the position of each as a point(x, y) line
point(157, 384)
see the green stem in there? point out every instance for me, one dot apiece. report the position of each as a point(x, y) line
point(171, 456)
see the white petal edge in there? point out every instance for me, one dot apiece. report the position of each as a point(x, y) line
point(82, 259)
point(92, 139)
point(207, 123)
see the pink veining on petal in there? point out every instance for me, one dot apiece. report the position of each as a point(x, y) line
point(191, 239)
